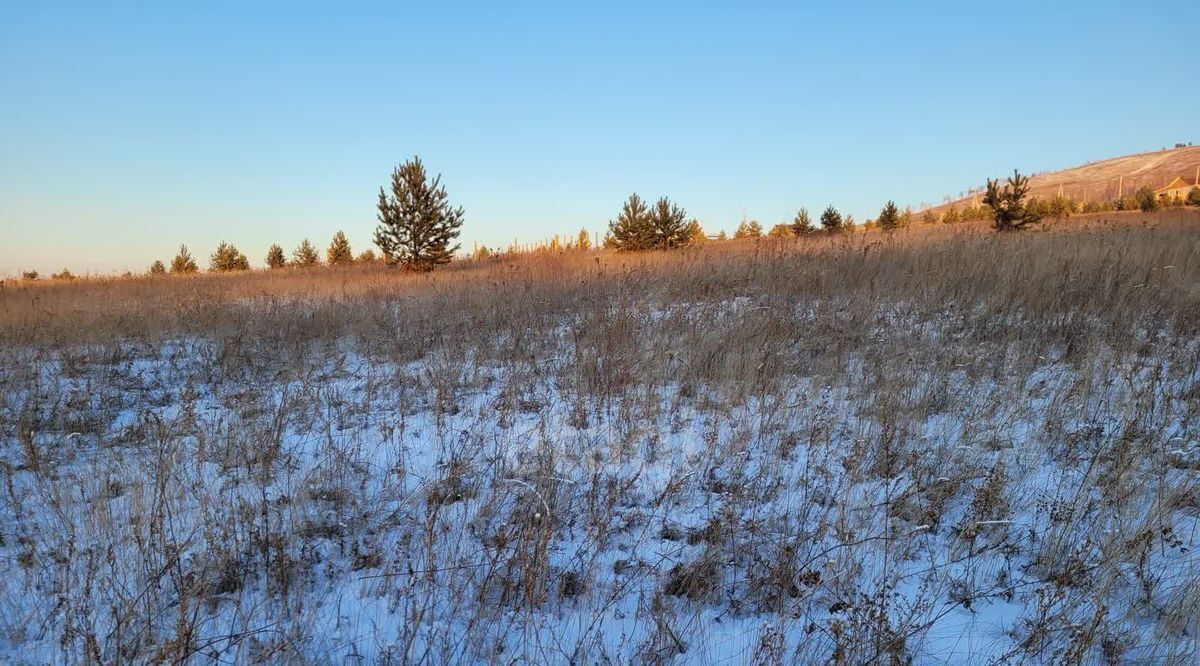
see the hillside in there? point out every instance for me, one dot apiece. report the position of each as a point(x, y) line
point(1107, 179)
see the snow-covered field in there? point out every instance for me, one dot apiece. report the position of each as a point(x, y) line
point(674, 464)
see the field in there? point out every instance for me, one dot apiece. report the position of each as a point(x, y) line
point(944, 445)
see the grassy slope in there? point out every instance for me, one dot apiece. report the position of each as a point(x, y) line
point(1102, 181)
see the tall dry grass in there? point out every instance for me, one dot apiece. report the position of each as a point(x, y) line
point(944, 444)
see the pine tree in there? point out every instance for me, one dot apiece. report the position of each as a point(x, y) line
point(889, 217)
point(305, 255)
point(928, 217)
point(670, 225)
point(157, 268)
point(951, 216)
point(1193, 197)
point(748, 228)
point(275, 258)
point(228, 258)
point(802, 223)
point(416, 221)
point(339, 253)
point(831, 220)
point(367, 256)
point(696, 232)
point(183, 262)
point(722, 235)
point(583, 240)
point(633, 229)
point(1008, 205)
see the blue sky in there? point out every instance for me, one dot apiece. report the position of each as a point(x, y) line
point(129, 128)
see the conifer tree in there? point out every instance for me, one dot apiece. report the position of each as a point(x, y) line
point(367, 256)
point(928, 217)
point(780, 231)
point(157, 268)
point(305, 255)
point(1145, 199)
point(1193, 197)
point(696, 232)
point(802, 223)
point(633, 229)
point(951, 216)
point(183, 262)
point(748, 228)
point(722, 235)
point(1008, 205)
point(416, 221)
point(889, 217)
point(583, 241)
point(831, 220)
point(339, 253)
point(670, 225)
point(275, 258)
point(228, 258)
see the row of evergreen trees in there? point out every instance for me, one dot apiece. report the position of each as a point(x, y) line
point(416, 227)
point(227, 258)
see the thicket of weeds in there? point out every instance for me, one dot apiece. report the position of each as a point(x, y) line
point(944, 445)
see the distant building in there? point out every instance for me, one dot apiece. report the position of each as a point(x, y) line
point(1177, 188)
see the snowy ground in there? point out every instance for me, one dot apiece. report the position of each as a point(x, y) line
point(921, 494)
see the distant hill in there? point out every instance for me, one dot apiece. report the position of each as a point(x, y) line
point(1107, 179)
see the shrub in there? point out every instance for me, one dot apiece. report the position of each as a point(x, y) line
point(275, 258)
point(228, 258)
point(366, 257)
point(29, 275)
point(339, 253)
point(64, 275)
point(1193, 197)
point(1145, 200)
point(416, 221)
point(1008, 205)
point(183, 262)
point(305, 255)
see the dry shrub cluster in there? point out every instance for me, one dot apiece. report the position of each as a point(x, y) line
point(942, 445)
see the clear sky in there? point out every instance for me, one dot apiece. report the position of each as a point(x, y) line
point(129, 128)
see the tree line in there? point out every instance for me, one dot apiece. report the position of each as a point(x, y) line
point(417, 225)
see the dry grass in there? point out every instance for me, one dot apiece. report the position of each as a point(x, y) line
point(941, 445)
